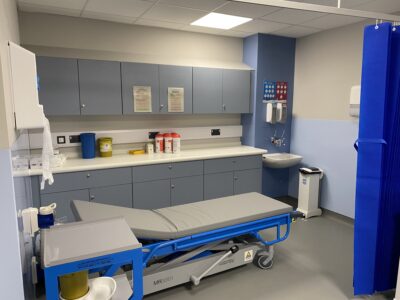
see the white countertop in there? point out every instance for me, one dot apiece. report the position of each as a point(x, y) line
point(118, 161)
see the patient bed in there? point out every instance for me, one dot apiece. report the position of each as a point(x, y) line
point(186, 243)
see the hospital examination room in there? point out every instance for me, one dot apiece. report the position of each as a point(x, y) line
point(200, 149)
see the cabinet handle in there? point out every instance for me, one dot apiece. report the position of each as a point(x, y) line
point(172, 186)
point(236, 178)
point(92, 197)
point(83, 105)
point(88, 175)
point(161, 107)
point(170, 167)
point(223, 107)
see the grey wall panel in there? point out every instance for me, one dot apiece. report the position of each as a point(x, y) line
point(152, 194)
point(63, 200)
point(218, 185)
point(58, 85)
point(186, 190)
point(247, 181)
point(207, 90)
point(175, 76)
point(119, 195)
point(100, 87)
point(236, 91)
point(136, 74)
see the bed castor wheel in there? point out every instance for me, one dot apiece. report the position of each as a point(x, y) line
point(263, 261)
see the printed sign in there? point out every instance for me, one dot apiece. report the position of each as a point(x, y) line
point(176, 99)
point(269, 90)
point(142, 98)
point(248, 255)
point(281, 90)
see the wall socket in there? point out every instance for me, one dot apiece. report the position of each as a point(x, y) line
point(215, 132)
point(74, 139)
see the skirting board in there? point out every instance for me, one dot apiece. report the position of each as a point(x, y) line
point(142, 135)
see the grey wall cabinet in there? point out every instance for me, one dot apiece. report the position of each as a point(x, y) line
point(186, 190)
point(152, 194)
point(236, 91)
point(247, 181)
point(58, 86)
point(218, 185)
point(175, 76)
point(63, 200)
point(100, 87)
point(136, 74)
point(119, 195)
point(207, 90)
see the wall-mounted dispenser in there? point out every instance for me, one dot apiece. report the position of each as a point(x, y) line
point(355, 96)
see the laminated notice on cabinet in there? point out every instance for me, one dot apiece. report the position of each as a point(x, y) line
point(176, 98)
point(142, 98)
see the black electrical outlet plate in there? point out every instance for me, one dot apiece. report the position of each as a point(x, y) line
point(215, 131)
point(73, 139)
point(152, 135)
point(61, 139)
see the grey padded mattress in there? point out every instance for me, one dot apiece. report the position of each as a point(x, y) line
point(183, 220)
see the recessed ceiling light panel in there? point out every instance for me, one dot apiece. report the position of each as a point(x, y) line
point(220, 21)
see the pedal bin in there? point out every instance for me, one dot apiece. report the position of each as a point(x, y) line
point(309, 180)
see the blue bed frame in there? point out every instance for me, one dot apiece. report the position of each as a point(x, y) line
point(139, 258)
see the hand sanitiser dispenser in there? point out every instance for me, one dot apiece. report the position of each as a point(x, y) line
point(309, 179)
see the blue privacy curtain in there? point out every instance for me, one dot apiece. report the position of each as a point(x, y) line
point(377, 217)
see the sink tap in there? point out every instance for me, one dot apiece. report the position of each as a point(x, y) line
point(278, 142)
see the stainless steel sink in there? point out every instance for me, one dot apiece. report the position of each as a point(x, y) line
point(281, 160)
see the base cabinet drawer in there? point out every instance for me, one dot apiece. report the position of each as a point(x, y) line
point(186, 190)
point(63, 200)
point(152, 194)
point(218, 185)
point(247, 181)
point(119, 195)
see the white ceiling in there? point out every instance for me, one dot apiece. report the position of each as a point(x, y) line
point(178, 14)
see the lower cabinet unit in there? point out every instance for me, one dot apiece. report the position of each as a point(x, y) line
point(119, 195)
point(247, 181)
point(63, 200)
point(152, 194)
point(218, 185)
point(186, 190)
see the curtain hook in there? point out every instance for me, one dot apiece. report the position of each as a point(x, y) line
point(376, 24)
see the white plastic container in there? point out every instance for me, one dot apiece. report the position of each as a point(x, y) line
point(176, 143)
point(159, 143)
point(309, 180)
point(149, 148)
point(168, 143)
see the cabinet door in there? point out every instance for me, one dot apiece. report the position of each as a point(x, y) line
point(186, 190)
point(236, 91)
point(247, 181)
point(218, 185)
point(135, 74)
point(118, 195)
point(63, 200)
point(100, 87)
point(58, 85)
point(179, 77)
point(152, 194)
point(207, 90)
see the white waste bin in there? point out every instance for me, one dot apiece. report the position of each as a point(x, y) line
point(309, 180)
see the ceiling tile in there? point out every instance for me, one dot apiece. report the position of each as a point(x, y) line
point(202, 29)
point(173, 14)
point(156, 23)
point(292, 16)
point(296, 31)
point(107, 17)
point(236, 33)
point(128, 8)
point(208, 5)
point(385, 6)
point(246, 10)
point(332, 21)
point(49, 9)
point(260, 26)
point(345, 3)
point(70, 4)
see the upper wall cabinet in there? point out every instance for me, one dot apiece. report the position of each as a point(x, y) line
point(100, 87)
point(236, 91)
point(134, 76)
point(174, 81)
point(58, 85)
point(207, 91)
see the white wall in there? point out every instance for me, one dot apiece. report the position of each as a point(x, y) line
point(8, 32)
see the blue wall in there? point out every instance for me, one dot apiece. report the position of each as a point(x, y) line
point(273, 58)
point(328, 144)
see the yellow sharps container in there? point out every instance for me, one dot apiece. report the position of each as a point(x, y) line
point(105, 146)
point(74, 285)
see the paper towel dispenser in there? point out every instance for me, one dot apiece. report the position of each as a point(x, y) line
point(28, 112)
point(355, 96)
